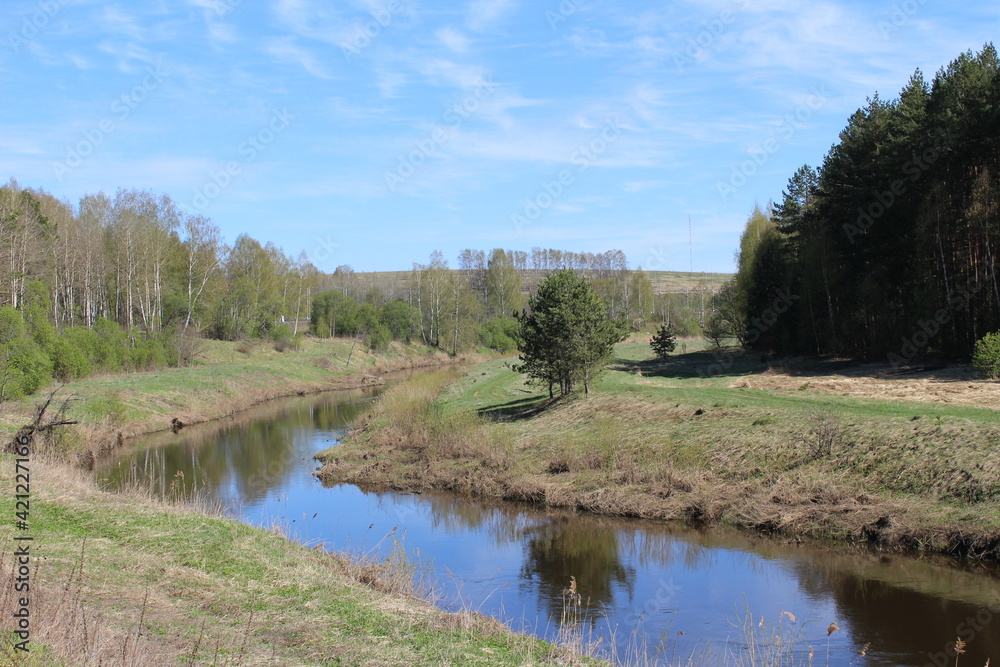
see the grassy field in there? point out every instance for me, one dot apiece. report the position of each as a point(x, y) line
point(226, 378)
point(824, 449)
point(126, 580)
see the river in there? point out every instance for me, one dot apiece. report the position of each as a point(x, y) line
point(670, 592)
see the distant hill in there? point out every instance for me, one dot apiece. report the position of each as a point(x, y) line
point(664, 282)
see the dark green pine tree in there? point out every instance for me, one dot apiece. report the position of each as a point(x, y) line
point(664, 341)
point(566, 334)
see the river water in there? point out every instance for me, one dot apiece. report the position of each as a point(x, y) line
point(678, 595)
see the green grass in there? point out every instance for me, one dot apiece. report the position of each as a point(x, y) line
point(223, 381)
point(211, 586)
point(666, 440)
point(679, 378)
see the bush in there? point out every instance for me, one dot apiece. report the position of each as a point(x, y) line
point(378, 338)
point(109, 352)
point(716, 330)
point(500, 334)
point(281, 333)
point(68, 361)
point(401, 318)
point(187, 347)
point(986, 355)
point(24, 366)
point(281, 336)
point(28, 367)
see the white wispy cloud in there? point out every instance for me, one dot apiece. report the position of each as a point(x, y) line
point(484, 14)
point(286, 50)
point(453, 39)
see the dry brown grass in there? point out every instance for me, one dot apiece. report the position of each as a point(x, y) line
point(951, 385)
point(71, 630)
point(633, 456)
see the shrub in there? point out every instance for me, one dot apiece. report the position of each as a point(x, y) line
point(378, 337)
point(29, 365)
point(109, 352)
point(716, 330)
point(281, 333)
point(24, 366)
point(281, 336)
point(68, 361)
point(401, 318)
point(500, 334)
point(986, 355)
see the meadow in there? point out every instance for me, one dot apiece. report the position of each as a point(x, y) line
point(822, 449)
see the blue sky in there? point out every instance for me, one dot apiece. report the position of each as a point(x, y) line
point(372, 132)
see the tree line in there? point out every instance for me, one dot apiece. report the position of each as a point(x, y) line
point(889, 248)
point(134, 273)
point(121, 283)
point(136, 259)
point(477, 303)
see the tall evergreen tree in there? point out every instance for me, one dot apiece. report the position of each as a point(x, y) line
point(566, 336)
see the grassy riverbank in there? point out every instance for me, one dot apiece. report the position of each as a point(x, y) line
point(128, 580)
point(226, 378)
point(903, 461)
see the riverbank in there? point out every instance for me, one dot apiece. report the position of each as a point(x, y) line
point(907, 462)
point(125, 579)
point(226, 379)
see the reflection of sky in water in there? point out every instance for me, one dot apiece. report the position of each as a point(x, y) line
point(685, 590)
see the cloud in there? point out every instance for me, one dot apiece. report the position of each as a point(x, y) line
point(447, 72)
point(114, 20)
point(636, 187)
point(128, 53)
point(453, 39)
point(388, 82)
point(286, 50)
point(483, 14)
point(222, 32)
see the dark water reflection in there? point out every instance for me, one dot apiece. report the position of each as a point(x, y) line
point(669, 588)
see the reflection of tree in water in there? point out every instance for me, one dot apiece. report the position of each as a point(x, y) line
point(505, 523)
point(563, 547)
point(240, 460)
point(909, 610)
